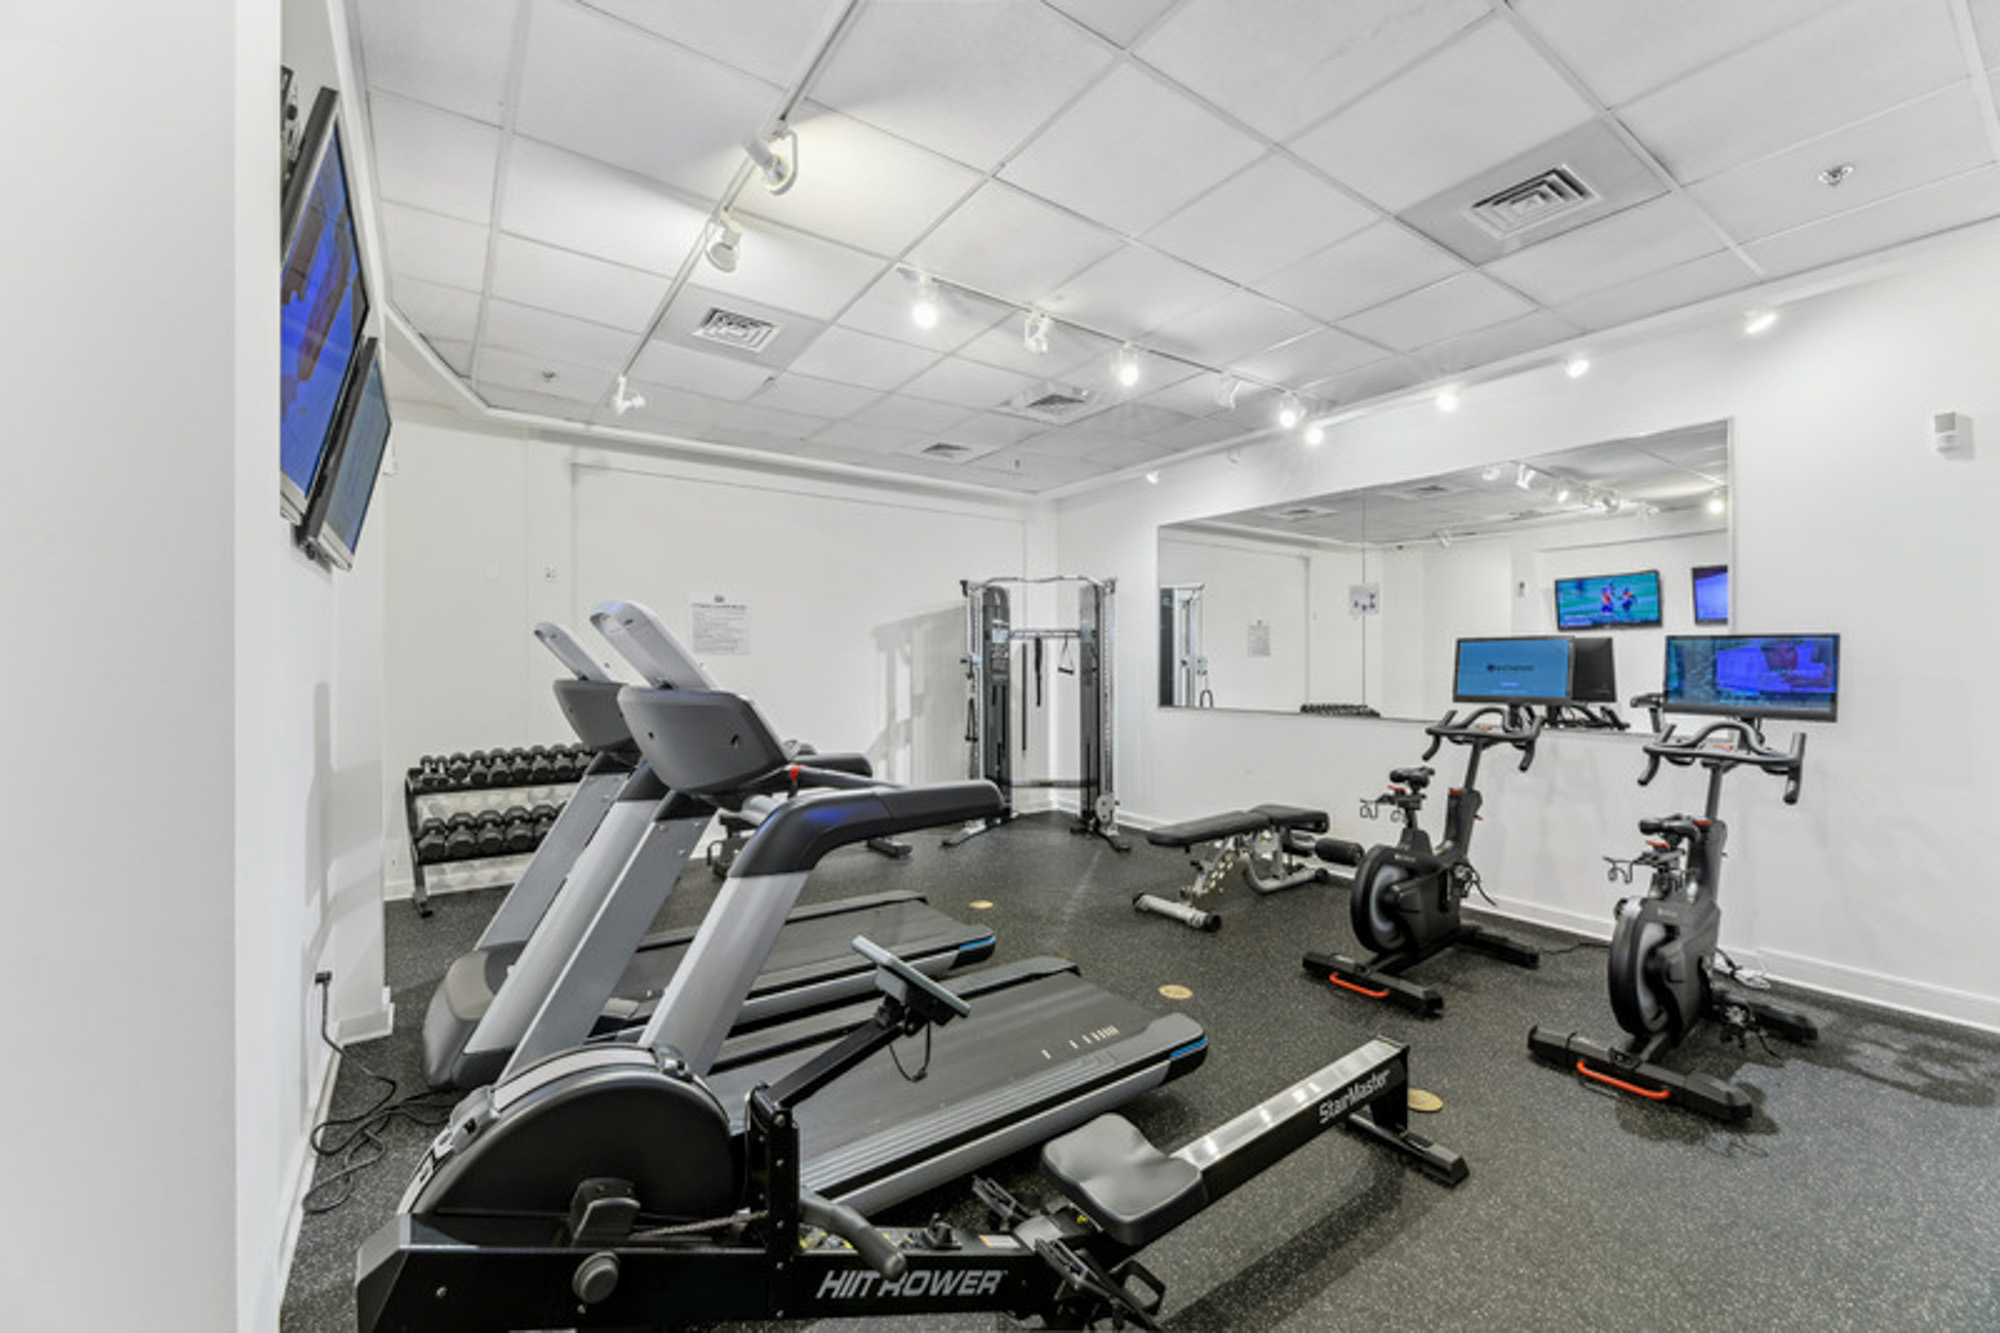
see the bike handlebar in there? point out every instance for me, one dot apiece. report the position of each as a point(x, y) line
point(1741, 744)
point(1465, 731)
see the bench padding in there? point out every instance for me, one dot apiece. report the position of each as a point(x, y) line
point(1237, 823)
point(1126, 1185)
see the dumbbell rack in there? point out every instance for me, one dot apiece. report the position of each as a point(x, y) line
point(479, 804)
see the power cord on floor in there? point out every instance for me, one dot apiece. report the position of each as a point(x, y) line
point(362, 1145)
point(1572, 948)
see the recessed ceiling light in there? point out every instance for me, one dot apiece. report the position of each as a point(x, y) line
point(1716, 503)
point(1315, 434)
point(1127, 367)
point(1577, 366)
point(1152, 478)
point(1834, 175)
point(1757, 321)
point(1447, 400)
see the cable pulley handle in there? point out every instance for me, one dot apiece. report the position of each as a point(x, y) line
point(837, 1219)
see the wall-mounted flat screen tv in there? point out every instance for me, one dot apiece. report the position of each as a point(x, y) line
point(323, 304)
point(1512, 671)
point(1593, 671)
point(1711, 594)
point(1608, 601)
point(1764, 675)
point(361, 435)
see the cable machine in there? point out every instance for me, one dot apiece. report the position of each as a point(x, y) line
point(990, 639)
point(1183, 664)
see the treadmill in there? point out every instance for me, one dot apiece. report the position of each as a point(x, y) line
point(586, 967)
point(1041, 1053)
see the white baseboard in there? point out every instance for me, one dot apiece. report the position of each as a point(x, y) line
point(301, 1173)
point(1911, 997)
point(1593, 926)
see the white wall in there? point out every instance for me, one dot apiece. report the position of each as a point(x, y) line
point(172, 646)
point(857, 625)
point(1845, 520)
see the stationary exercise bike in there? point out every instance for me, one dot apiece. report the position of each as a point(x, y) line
point(1666, 974)
point(1405, 898)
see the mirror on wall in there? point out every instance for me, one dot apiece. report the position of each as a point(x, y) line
point(1352, 603)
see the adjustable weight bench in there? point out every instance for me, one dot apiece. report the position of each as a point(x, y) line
point(1267, 840)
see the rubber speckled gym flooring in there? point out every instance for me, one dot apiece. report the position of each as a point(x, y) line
point(1861, 1195)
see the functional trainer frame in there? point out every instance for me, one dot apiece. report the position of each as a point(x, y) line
point(990, 636)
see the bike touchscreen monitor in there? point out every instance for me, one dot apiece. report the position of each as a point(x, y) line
point(1512, 671)
point(1763, 675)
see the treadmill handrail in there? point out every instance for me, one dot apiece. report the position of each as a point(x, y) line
point(798, 834)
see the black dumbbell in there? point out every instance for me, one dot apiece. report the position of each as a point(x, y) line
point(545, 818)
point(463, 840)
point(492, 833)
point(520, 829)
point(431, 840)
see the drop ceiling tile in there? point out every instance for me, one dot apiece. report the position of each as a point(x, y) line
point(1224, 332)
point(1851, 61)
point(1034, 472)
point(1626, 48)
point(966, 383)
point(939, 458)
point(900, 412)
point(1377, 380)
point(1293, 61)
point(539, 333)
point(436, 312)
point(434, 248)
point(1486, 97)
point(1960, 201)
point(1924, 141)
point(1268, 216)
point(1537, 329)
point(827, 399)
point(862, 359)
point(452, 54)
point(1448, 309)
point(1041, 246)
point(859, 186)
point(1133, 291)
point(1124, 454)
point(993, 430)
point(771, 39)
point(1137, 420)
point(433, 159)
point(1194, 396)
point(455, 354)
point(711, 374)
point(533, 274)
point(554, 407)
point(1117, 21)
point(971, 81)
point(884, 310)
point(1986, 25)
point(740, 423)
point(871, 439)
point(794, 271)
point(1652, 236)
point(1198, 434)
point(603, 89)
point(542, 376)
point(1312, 357)
point(1683, 284)
point(1364, 270)
point(1130, 151)
point(577, 204)
point(668, 409)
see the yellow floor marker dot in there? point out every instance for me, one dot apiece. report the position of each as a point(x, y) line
point(1425, 1101)
point(980, 905)
point(1173, 992)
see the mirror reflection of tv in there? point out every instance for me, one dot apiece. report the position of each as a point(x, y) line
point(1759, 676)
point(1593, 671)
point(323, 304)
point(1711, 594)
point(1609, 601)
point(1526, 670)
point(332, 529)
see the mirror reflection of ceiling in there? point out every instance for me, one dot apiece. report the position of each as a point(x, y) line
point(1673, 471)
point(1339, 201)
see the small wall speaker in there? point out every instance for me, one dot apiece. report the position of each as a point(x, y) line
point(1951, 434)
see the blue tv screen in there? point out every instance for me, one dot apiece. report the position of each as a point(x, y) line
point(322, 305)
point(1766, 675)
point(1526, 670)
point(1711, 594)
point(1608, 601)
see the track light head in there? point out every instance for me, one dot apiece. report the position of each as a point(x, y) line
point(1290, 410)
point(623, 400)
point(1126, 368)
point(725, 243)
point(1315, 434)
point(1447, 400)
point(924, 311)
point(1226, 390)
point(1035, 332)
point(777, 158)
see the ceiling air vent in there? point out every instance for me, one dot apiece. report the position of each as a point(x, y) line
point(741, 332)
point(1540, 199)
point(1300, 513)
point(1051, 402)
point(948, 453)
